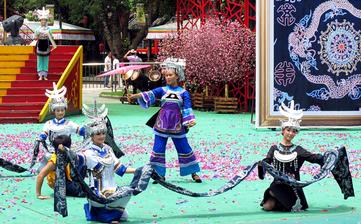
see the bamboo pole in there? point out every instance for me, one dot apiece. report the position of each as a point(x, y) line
point(226, 90)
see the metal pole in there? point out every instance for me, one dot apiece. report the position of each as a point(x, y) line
point(4, 19)
point(4, 9)
point(149, 51)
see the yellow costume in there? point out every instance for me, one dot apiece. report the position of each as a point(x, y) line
point(52, 175)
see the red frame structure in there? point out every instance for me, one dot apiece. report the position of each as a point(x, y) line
point(193, 13)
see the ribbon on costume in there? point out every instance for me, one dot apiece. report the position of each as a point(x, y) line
point(342, 174)
point(19, 169)
point(139, 184)
point(228, 186)
point(60, 204)
point(109, 140)
point(335, 162)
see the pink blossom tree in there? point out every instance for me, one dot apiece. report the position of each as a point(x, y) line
point(215, 54)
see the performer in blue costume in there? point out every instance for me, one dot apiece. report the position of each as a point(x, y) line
point(102, 163)
point(53, 128)
point(173, 119)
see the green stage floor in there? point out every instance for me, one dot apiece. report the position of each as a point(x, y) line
point(224, 144)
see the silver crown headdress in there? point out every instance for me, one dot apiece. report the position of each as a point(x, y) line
point(97, 118)
point(294, 116)
point(43, 13)
point(177, 64)
point(57, 97)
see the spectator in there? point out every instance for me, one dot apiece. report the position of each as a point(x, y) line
point(115, 66)
point(44, 37)
point(107, 67)
point(140, 82)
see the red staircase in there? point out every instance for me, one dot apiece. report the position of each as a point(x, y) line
point(21, 93)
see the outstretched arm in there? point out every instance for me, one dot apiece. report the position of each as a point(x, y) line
point(119, 168)
point(130, 170)
point(75, 128)
point(312, 157)
point(147, 98)
point(127, 54)
point(133, 96)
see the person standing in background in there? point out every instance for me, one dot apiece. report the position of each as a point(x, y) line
point(107, 67)
point(44, 37)
point(115, 66)
point(132, 56)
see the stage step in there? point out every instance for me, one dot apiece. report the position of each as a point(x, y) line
point(28, 76)
point(55, 57)
point(10, 70)
point(22, 50)
point(22, 106)
point(22, 95)
point(29, 70)
point(52, 63)
point(12, 64)
point(7, 77)
point(15, 50)
point(24, 98)
point(27, 83)
point(33, 83)
point(25, 57)
point(34, 70)
point(19, 113)
point(32, 64)
point(15, 71)
point(24, 90)
point(32, 77)
point(19, 120)
point(10, 57)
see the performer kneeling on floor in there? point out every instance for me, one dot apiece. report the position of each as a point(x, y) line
point(53, 128)
point(100, 160)
point(288, 158)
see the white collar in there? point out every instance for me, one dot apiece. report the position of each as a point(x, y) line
point(94, 146)
point(61, 121)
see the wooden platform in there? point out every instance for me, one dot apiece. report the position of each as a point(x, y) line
point(202, 102)
point(225, 105)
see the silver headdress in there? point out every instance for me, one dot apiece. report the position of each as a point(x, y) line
point(97, 118)
point(57, 97)
point(294, 116)
point(43, 13)
point(175, 63)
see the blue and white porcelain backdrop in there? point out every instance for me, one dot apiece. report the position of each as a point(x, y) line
point(316, 59)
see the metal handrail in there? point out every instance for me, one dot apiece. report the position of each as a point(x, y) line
point(92, 69)
point(77, 57)
point(27, 35)
point(124, 63)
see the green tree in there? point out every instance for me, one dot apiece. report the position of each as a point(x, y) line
point(110, 18)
